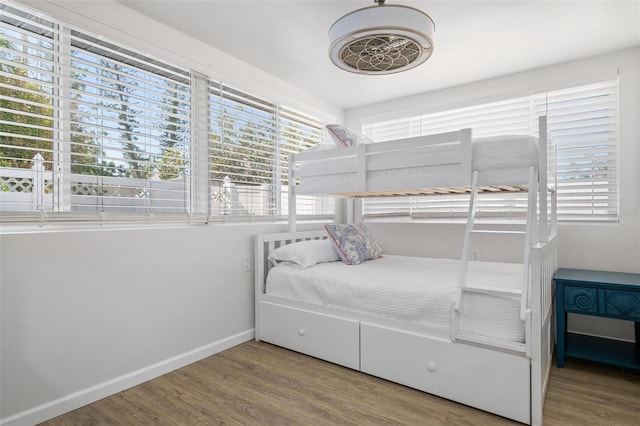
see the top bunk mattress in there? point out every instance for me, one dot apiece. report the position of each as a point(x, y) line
point(411, 289)
point(504, 152)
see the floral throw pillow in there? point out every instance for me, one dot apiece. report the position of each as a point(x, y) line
point(344, 137)
point(353, 243)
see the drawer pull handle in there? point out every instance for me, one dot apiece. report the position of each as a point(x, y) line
point(431, 367)
point(301, 332)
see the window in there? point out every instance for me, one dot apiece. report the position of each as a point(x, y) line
point(249, 144)
point(582, 122)
point(243, 153)
point(27, 99)
point(91, 129)
point(129, 120)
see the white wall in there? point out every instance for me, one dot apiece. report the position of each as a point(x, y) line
point(614, 247)
point(88, 313)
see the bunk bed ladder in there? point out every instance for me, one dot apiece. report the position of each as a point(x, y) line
point(531, 230)
point(466, 248)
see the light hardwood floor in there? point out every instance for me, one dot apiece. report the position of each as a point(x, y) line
point(258, 383)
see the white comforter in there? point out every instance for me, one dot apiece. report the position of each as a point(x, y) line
point(413, 289)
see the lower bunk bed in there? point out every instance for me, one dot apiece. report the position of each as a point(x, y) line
point(392, 317)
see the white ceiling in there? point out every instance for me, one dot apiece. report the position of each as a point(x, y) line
point(474, 40)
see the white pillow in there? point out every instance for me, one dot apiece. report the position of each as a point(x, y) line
point(304, 254)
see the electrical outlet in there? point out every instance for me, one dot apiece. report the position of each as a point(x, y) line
point(246, 263)
point(475, 255)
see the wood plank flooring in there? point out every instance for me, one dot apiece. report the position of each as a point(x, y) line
point(258, 383)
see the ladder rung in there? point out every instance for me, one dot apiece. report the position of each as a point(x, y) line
point(494, 291)
point(497, 232)
point(488, 341)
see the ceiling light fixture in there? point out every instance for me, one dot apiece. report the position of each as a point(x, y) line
point(382, 39)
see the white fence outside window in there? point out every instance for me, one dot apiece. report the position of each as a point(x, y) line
point(34, 190)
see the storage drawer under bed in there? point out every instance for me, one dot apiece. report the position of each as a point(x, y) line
point(487, 379)
point(327, 337)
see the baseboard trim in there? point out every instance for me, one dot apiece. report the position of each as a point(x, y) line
point(91, 394)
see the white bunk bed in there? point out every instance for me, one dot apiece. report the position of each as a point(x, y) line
point(506, 376)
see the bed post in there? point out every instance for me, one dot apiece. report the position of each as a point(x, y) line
point(536, 339)
point(466, 172)
point(543, 265)
point(258, 260)
point(554, 192)
point(350, 205)
point(543, 229)
point(542, 270)
point(292, 195)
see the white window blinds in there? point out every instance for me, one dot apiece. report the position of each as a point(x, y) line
point(129, 130)
point(89, 126)
point(242, 153)
point(250, 141)
point(583, 124)
point(28, 95)
point(93, 130)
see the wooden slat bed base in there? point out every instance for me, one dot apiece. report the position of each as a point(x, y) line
point(436, 191)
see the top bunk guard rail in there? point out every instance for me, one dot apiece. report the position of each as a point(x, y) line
point(415, 166)
point(429, 161)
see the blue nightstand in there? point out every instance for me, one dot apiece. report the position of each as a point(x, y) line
point(603, 294)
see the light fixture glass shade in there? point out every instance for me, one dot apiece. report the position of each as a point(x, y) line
point(381, 39)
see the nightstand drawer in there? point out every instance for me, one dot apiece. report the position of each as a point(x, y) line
point(623, 304)
point(581, 299)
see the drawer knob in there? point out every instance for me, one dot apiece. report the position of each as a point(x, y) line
point(301, 332)
point(431, 367)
